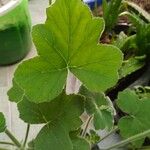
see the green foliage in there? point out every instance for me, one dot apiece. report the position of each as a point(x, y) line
point(143, 36)
point(61, 125)
point(131, 65)
point(100, 107)
point(111, 12)
point(80, 144)
point(2, 123)
point(138, 115)
point(92, 137)
point(142, 28)
point(56, 115)
point(68, 41)
point(125, 43)
point(137, 9)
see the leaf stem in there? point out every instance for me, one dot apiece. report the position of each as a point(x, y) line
point(130, 139)
point(27, 134)
point(111, 132)
point(13, 138)
point(86, 126)
point(6, 143)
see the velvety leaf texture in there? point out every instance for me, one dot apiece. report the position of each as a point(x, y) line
point(68, 41)
point(60, 116)
point(58, 128)
point(138, 118)
point(2, 123)
point(100, 107)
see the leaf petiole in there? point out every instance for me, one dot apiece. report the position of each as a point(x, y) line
point(7, 143)
point(26, 136)
point(13, 138)
point(130, 140)
point(86, 126)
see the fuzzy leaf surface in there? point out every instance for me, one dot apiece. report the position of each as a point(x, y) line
point(61, 116)
point(49, 111)
point(138, 118)
point(2, 123)
point(68, 41)
point(59, 126)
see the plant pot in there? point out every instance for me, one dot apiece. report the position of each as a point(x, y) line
point(91, 3)
point(15, 28)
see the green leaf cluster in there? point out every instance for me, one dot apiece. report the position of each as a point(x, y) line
point(67, 42)
point(111, 12)
point(100, 107)
point(60, 116)
point(137, 115)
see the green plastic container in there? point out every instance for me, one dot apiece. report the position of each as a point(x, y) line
point(15, 31)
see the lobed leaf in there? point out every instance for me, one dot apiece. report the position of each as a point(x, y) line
point(138, 115)
point(100, 107)
point(68, 41)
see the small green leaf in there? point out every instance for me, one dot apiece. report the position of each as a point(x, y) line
point(80, 144)
point(125, 43)
point(131, 65)
point(93, 137)
point(137, 120)
point(100, 107)
point(68, 41)
point(2, 123)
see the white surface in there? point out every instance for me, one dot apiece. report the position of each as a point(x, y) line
point(37, 9)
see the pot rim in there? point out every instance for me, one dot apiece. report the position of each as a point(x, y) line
point(9, 6)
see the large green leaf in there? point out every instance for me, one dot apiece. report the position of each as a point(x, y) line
point(2, 123)
point(58, 127)
point(60, 116)
point(100, 107)
point(68, 41)
point(138, 115)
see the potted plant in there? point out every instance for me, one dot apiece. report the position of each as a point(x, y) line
point(68, 42)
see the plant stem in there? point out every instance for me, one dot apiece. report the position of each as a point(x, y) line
point(7, 143)
point(130, 139)
point(86, 126)
point(14, 140)
point(111, 132)
point(26, 136)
